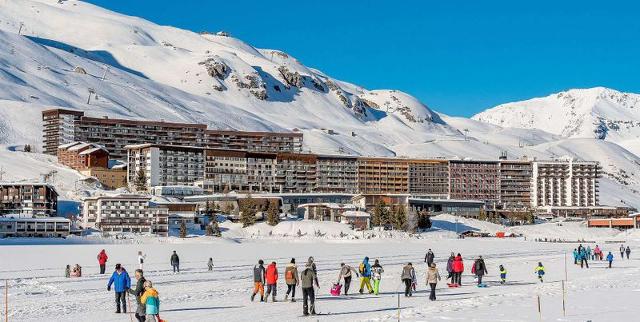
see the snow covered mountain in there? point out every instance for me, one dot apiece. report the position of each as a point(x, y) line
point(54, 53)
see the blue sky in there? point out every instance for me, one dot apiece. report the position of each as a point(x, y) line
point(458, 57)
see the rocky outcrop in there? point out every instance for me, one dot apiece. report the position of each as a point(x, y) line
point(216, 68)
point(291, 79)
point(253, 83)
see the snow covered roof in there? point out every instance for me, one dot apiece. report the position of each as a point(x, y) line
point(15, 217)
point(331, 205)
point(93, 150)
point(355, 213)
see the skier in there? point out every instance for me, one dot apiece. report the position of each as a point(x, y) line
point(346, 273)
point(292, 279)
point(175, 262)
point(376, 272)
point(365, 275)
point(610, 259)
point(458, 268)
point(121, 282)
point(479, 269)
point(271, 275)
point(408, 275)
point(259, 278)
point(540, 271)
point(307, 278)
point(450, 268)
point(628, 251)
point(102, 260)
point(151, 301)
point(429, 257)
point(503, 274)
point(433, 276)
point(139, 290)
point(141, 259)
point(622, 249)
point(210, 264)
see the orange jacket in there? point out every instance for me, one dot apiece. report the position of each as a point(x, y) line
point(272, 274)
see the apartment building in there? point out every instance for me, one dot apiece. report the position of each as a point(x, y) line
point(28, 199)
point(383, 175)
point(337, 174)
point(565, 183)
point(66, 126)
point(164, 165)
point(111, 178)
point(16, 226)
point(125, 214)
point(475, 180)
point(82, 155)
point(429, 178)
point(295, 172)
point(515, 184)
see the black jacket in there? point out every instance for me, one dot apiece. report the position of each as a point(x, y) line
point(480, 267)
point(175, 259)
point(139, 290)
point(429, 257)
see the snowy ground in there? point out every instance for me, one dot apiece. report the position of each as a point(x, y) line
point(38, 290)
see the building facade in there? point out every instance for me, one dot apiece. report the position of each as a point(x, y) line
point(59, 127)
point(475, 180)
point(113, 178)
point(295, 172)
point(515, 184)
point(164, 165)
point(28, 199)
point(429, 178)
point(254, 141)
point(82, 155)
point(565, 183)
point(13, 226)
point(337, 174)
point(125, 214)
point(383, 175)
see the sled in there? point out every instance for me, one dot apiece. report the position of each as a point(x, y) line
point(453, 285)
point(335, 289)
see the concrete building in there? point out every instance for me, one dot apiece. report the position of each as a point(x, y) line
point(164, 165)
point(383, 175)
point(60, 127)
point(295, 172)
point(125, 214)
point(515, 184)
point(475, 180)
point(565, 183)
point(254, 141)
point(28, 199)
point(336, 174)
point(429, 178)
point(81, 155)
point(16, 226)
point(112, 178)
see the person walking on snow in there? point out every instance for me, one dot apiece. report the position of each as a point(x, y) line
point(122, 282)
point(458, 268)
point(291, 279)
point(102, 260)
point(540, 271)
point(450, 268)
point(175, 262)
point(503, 274)
point(479, 269)
point(597, 253)
point(151, 300)
point(346, 272)
point(583, 259)
point(365, 275)
point(307, 278)
point(433, 276)
point(610, 259)
point(312, 262)
point(588, 252)
point(137, 292)
point(429, 257)
point(376, 273)
point(259, 278)
point(628, 251)
point(622, 249)
point(575, 256)
point(210, 264)
point(141, 259)
point(408, 275)
point(271, 275)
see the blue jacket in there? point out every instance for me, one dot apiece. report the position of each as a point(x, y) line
point(121, 282)
point(366, 271)
point(610, 257)
point(575, 254)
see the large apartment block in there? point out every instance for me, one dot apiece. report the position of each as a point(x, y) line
point(429, 178)
point(565, 183)
point(125, 214)
point(515, 184)
point(475, 180)
point(66, 126)
point(337, 174)
point(383, 175)
point(295, 172)
point(29, 199)
point(234, 170)
point(164, 165)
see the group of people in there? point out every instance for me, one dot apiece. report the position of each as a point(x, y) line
point(76, 271)
point(581, 255)
point(147, 297)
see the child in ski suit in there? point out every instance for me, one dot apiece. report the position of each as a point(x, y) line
point(503, 274)
point(365, 273)
point(376, 271)
point(540, 271)
point(151, 302)
point(610, 259)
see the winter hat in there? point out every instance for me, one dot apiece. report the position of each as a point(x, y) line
point(293, 261)
point(366, 258)
point(260, 262)
point(118, 266)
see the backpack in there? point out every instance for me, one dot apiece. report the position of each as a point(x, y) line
point(361, 268)
point(288, 275)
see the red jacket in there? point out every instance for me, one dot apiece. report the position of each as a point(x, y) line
point(272, 274)
point(458, 266)
point(102, 258)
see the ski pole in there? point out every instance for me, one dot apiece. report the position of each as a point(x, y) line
point(6, 300)
point(129, 302)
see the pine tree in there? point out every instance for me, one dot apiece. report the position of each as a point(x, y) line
point(248, 212)
point(424, 220)
point(379, 214)
point(400, 218)
point(140, 181)
point(183, 230)
point(273, 213)
point(213, 229)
